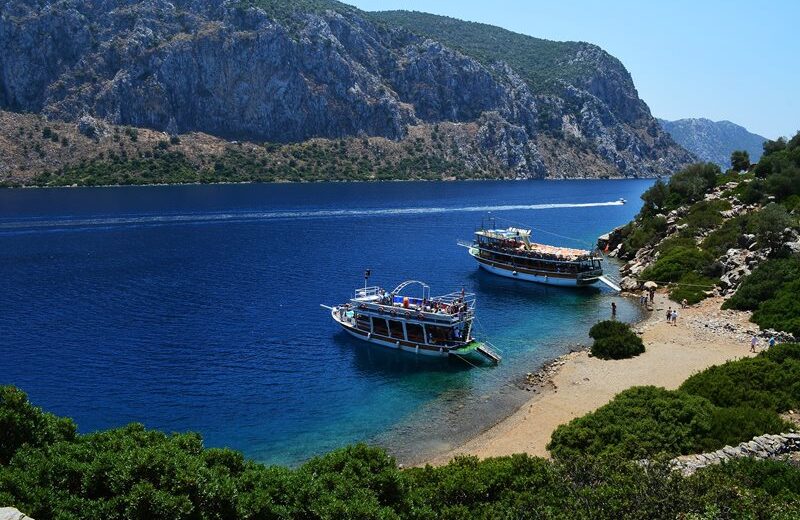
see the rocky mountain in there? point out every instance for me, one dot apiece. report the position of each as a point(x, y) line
point(281, 71)
point(713, 141)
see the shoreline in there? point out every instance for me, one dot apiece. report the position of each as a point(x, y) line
point(373, 181)
point(576, 383)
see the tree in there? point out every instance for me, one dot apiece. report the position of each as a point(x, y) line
point(740, 160)
point(769, 225)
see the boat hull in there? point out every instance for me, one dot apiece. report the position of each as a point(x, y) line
point(529, 276)
point(398, 344)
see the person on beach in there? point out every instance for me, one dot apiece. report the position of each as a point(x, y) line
point(771, 341)
point(669, 315)
point(613, 310)
point(652, 294)
point(684, 303)
point(753, 343)
point(675, 317)
point(643, 299)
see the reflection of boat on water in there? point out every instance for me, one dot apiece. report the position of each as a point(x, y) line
point(438, 326)
point(511, 253)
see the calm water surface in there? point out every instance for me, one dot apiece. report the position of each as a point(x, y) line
point(197, 307)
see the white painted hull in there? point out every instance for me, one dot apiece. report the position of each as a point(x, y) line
point(549, 280)
point(395, 345)
point(426, 350)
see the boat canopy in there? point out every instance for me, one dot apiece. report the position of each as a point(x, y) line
point(518, 240)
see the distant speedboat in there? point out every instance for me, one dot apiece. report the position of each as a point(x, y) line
point(436, 326)
point(623, 201)
point(511, 253)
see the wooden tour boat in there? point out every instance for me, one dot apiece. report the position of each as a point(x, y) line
point(437, 326)
point(511, 253)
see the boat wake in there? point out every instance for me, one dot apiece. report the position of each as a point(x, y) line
point(76, 223)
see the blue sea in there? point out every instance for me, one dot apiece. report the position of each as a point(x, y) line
point(198, 307)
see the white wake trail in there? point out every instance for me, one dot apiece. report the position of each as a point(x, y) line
point(69, 222)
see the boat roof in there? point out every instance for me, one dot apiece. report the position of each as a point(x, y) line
point(522, 236)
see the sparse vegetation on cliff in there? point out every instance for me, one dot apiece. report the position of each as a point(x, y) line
point(705, 231)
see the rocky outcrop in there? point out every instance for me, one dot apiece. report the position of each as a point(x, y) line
point(234, 70)
point(11, 513)
point(778, 446)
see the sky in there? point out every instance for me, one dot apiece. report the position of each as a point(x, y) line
point(733, 60)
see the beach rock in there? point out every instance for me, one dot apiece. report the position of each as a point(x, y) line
point(629, 283)
point(12, 513)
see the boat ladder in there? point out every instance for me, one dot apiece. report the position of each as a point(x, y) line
point(487, 351)
point(611, 282)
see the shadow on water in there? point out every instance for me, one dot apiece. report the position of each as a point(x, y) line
point(369, 359)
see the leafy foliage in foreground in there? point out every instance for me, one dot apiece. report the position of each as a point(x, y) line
point(134, 473)
point(722, 405)
point(615, 340)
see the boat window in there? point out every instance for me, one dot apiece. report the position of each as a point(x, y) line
point(362, 322)
point(396, 328)
point(414, 331)
point(439, 334)
point(379, 327)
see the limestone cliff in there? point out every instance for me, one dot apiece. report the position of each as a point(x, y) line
point(287, 72)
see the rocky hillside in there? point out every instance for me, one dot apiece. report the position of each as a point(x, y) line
point(738, 236)
point(288, 72)
point(713, 141)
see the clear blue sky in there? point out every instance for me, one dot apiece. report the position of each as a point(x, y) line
point(733, 60)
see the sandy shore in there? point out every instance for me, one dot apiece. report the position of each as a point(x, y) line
point(704, 336)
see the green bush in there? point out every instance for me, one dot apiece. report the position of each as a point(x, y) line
point(769, 223)
point(615, 340)
point(763, 283)
point(726, 237)
point(639, 422)
point(769, 381)
point(781, 312)
point(134, 473)
point(692, 287)
point(677, 262)
point(22, 424)
point(705, 215)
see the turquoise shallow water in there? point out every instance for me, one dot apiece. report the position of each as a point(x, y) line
point(197, 307)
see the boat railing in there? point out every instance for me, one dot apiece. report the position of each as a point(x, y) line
point(364, 293)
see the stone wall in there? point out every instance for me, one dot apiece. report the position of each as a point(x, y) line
point(778, 446)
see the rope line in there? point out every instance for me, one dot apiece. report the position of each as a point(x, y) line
point(540, 230)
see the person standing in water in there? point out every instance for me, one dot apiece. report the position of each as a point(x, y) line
point(613, 310)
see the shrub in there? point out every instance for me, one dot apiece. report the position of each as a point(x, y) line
point(639, 422)
point(692, 287)
point(132, 472)
point(781, 312)
point(673, 265)
point(769, 223)
point(615, 340)
point(763, 283)
point(726, 236)
point(730, 426)
point(705, 215)
point(770, 381)
point(22, 424)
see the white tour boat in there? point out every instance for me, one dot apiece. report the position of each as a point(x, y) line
point(511, 253)
point(436, 326)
